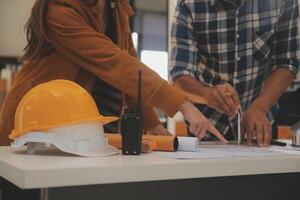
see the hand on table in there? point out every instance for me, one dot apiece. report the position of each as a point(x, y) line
point(255, 121)
point(198, 124)
point(224, 98)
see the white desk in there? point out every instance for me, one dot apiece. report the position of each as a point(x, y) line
point(49, 171)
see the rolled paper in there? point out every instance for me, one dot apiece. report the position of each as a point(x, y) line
point(114, 140)
point(164, 143)
point(187, 143)
point(160, 143)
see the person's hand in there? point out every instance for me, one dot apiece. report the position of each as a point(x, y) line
point(198, 124)
point(147, 146)
point(159, 130)
point(255, 121)
point(224, 98)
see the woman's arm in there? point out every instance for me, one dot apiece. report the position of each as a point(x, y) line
point(72, 36)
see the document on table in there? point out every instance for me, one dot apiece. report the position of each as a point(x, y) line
point(288, 149)
point(222, 151)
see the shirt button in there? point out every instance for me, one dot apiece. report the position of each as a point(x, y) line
point(237, 36)
point(238, 58)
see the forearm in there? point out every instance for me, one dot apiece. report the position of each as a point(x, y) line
point(275, 86)
point(190, 85)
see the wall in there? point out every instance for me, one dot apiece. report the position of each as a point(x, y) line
point(13, 15)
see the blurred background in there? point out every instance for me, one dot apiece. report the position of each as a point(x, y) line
point(150, 32)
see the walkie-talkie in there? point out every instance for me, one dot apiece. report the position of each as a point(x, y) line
point(132, 125)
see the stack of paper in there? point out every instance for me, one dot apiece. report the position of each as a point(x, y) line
point(223, 151)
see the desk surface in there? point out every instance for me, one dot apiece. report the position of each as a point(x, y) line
point(46, 171)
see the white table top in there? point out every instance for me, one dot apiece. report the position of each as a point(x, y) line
point(45, 171)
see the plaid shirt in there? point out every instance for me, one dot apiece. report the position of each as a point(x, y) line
point(217, 41)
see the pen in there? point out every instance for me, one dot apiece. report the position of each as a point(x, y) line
point(278, 143)
point(239, 128)
point(239, 139)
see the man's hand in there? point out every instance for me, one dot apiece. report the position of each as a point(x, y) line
point(224, 98)
point(198, 124)
point(255, 121)
point(159, 130)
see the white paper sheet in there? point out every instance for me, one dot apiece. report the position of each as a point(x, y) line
point(289, 149)
point(222, 151)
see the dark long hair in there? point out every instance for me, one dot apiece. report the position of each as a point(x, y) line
point(36, 28)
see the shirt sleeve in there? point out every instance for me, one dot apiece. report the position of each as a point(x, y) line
point(72, 36)
point(183, 60)
point(286, 44)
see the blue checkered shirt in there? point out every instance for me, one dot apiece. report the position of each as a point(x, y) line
point(217, 41)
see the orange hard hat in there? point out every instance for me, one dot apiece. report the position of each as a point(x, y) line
point(53, 104)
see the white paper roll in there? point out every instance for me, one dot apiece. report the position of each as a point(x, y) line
point(187, 143)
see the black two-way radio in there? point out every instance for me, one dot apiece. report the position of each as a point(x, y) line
point(132, 125)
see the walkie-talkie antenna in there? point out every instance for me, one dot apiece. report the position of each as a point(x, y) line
point(139, 99)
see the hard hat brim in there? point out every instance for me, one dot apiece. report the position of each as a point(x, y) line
point(39, 137)
point(107, 120)
point(103, 120)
